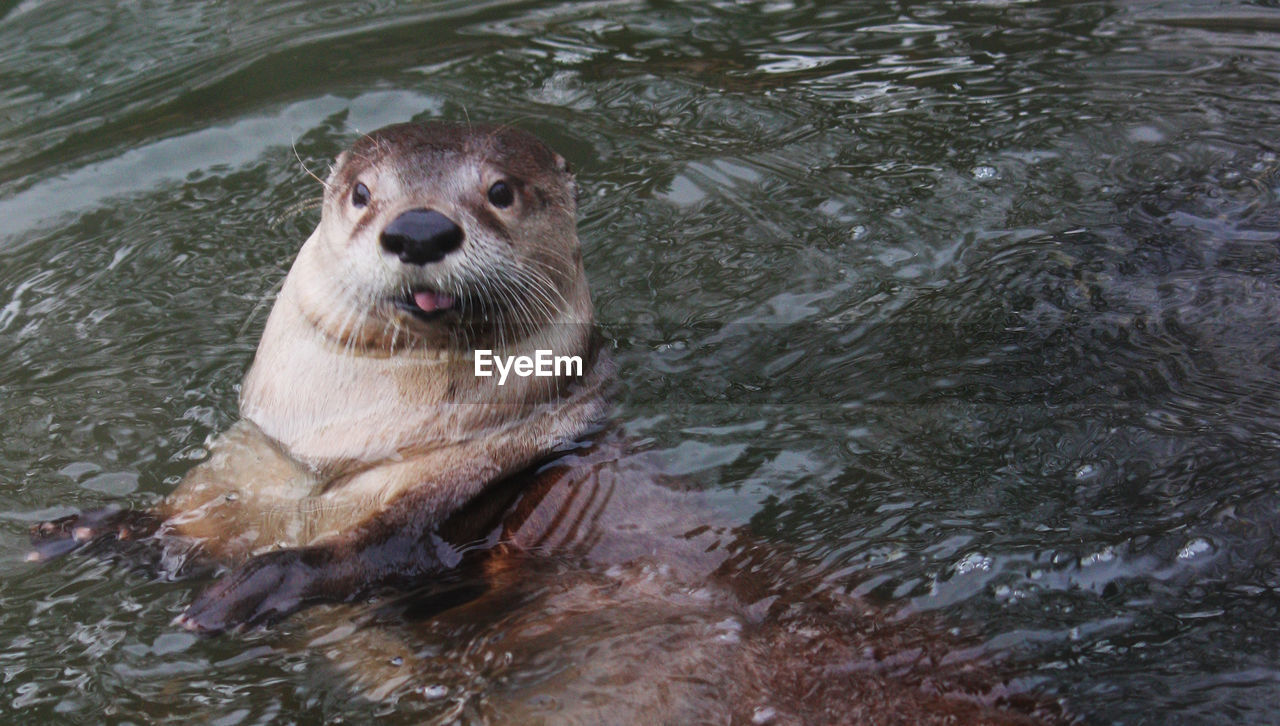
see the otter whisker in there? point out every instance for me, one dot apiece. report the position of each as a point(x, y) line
point(526, 299)
point(529, 297)
point(539, 291)
point(294, 210)
point(294, 145)
point(548, 288)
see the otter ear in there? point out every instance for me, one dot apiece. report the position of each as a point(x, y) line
point(338, 161)
point(563, 165)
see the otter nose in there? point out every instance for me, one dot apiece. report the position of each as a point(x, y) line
point(419, 236)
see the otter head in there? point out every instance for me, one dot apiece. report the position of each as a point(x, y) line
point(446, 236)
point(435, 240)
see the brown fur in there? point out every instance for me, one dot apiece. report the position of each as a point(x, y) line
point(366, 438)
point(685, 621)
point(353, 407)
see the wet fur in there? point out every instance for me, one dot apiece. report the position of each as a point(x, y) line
point(369, 458)
point(363, 423)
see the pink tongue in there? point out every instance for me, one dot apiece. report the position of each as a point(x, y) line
point(432, 301)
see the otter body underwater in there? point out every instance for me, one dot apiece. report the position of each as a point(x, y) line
point(370, 458)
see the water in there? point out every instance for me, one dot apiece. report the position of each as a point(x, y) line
point(972, 303)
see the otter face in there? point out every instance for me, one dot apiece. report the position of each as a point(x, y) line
point(436, 227)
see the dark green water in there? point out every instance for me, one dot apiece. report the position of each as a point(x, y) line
point(975, 303)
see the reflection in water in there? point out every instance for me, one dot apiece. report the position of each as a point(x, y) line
point(620, 600)
point(968, 305)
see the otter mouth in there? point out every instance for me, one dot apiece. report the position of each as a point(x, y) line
point(427, 304)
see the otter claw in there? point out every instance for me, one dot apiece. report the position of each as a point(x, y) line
point(58, 537)
point(52, 550)
point(264, 590)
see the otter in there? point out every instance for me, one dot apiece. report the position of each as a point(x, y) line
point(370, 458)
point(362, 419)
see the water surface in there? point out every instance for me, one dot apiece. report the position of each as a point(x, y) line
point(972, 303)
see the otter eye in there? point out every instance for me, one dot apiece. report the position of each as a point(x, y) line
point(360, 195)
point(500, 195)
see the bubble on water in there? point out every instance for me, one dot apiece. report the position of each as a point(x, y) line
point(1085, 471)
point(984, 172)
point(1195, 547)
point(973, 562)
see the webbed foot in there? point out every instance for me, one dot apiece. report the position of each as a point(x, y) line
point(57, 537)
point(264, 590)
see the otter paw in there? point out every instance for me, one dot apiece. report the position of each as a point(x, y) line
point(264, 590)
point(59, 536)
